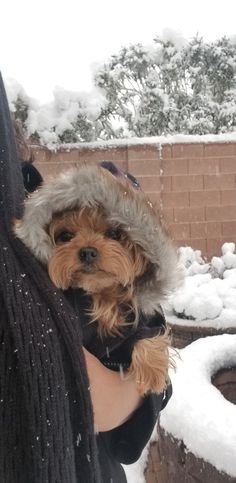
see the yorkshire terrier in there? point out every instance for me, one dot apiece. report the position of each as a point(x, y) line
point(96, 230)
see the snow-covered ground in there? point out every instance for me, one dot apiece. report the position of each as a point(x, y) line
point(201, 416)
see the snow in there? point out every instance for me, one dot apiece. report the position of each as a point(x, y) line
point(174, 36)
point(208, 294)
point(198, 413)
point(150, 140)
point(52, 119)
point(225, 321)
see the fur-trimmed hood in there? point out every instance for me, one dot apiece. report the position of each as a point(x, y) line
point(90, 185)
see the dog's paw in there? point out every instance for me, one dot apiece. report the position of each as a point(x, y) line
point(150, 364)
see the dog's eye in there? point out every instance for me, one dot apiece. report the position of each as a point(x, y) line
point(114, 233)
point(64, 237)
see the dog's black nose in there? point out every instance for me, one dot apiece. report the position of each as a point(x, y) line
point(88, 254)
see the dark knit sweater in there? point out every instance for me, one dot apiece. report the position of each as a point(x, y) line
point(46, 422)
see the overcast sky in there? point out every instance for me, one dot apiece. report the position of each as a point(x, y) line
point(50, 43)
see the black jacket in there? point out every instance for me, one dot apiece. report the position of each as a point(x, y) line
point(125, 443)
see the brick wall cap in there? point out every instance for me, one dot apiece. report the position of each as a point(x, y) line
point(153, 140)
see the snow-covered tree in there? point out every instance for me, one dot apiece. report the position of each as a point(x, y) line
point(19, 101)
point(169, 88)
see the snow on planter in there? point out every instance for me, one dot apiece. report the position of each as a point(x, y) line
point(197, 413)
point(208, 296)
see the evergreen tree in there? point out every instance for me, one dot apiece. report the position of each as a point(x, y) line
point(168, 90)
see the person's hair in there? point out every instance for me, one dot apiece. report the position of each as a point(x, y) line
point(23, 149)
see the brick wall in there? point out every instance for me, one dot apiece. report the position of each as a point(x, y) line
point(194, 184)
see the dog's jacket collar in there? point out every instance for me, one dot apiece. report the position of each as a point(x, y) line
point(92, 186)
point(114, 350)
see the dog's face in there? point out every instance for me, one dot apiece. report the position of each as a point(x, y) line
point(91, 254)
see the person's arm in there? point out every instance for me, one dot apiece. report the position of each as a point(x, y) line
point(114, 396)
point(126, 442)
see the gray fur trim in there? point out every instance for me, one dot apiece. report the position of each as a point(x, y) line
point(91, 185)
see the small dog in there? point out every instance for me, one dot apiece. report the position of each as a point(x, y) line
point(95, 230)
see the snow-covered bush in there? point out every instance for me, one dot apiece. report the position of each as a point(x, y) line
point(70, 118)
point(209, 289)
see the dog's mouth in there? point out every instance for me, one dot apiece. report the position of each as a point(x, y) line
point(87, 269)
point(92, 278)
point(91, 270)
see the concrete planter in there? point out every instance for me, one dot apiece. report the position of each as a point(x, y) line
point(169, 462)
point(183, 335)
point(225, 381)
point(199, 418)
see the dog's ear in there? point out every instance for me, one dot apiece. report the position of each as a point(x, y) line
point(31, 177)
